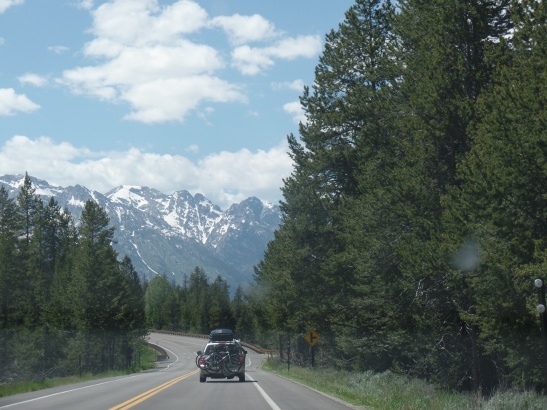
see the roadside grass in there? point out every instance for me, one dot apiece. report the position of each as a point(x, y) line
point(147, 361)
point(388, 391)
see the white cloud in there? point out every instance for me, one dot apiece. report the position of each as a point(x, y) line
point(194, 148)
point(58, 49)
point(148, 64)
point(33, 79)
point(296, 85)
point(234, 176)
point(142, 56)
point(294, 47)
point(205, 114)
point(169, 99)
point(295, 109)
point(6, 4)
point(85, 4)
point(224, 177)
point(138, 23)
point(252, 60)
point(244, 29)
point(10, 102)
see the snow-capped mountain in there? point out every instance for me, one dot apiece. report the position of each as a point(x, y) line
point(173, 234)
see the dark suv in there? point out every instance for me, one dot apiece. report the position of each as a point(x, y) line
point(222, 358)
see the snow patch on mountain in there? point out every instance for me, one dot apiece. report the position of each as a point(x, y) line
point(174, 232)
point(73, 201)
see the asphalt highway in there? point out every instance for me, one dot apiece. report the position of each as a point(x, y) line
point(174, 384)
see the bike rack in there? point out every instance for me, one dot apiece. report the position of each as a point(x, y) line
point(226, 360)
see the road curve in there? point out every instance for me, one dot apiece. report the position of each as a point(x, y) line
point(174, 384)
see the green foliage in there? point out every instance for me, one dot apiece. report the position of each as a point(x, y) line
point(501, 201)
point(159, 299)
point(197, 306)
point(67, 305)
point(391, 391)
point(244, 318)
point(414, 218)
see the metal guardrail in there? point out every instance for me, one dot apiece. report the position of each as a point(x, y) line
point(161, 354)
point(249, 346)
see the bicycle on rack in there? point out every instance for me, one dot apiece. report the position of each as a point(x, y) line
point(222, 358)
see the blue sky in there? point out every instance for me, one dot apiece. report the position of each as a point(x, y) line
point(170, 94)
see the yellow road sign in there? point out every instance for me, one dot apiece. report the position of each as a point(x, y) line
point(312, 337)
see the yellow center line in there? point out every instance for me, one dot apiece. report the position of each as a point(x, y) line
point(152, 392)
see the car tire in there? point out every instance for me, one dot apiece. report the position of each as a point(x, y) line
point(242, 377)
point(202, 379)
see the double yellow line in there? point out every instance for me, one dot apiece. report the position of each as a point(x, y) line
point(152, 392)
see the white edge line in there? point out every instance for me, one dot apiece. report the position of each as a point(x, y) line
point(265, 395)
point(81, 388)
point(63, 392)
point(170, 351)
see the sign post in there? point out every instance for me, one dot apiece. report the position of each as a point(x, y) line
point(289, 353)
point(312, 338)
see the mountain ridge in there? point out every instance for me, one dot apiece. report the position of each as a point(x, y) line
point(172, 234)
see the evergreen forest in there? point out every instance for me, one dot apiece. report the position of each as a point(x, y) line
point(199, 305)
point(70, 305)
point(414, 220)
point(415, 217)
point(67, 305)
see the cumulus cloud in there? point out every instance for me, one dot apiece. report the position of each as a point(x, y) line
point(85, 4)
point(296, 85)
point(6, 4)
point(147, 62)
point(245, 29)
point(142, 54)
point(140, 23)
point(234, 176)
point(252, 60)
point(295, 109)
point(164, 100)
point(224, 177)
point(33, 79)
point(11, 103)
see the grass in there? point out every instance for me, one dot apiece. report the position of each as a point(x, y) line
point(388, 391)
point(148, 357)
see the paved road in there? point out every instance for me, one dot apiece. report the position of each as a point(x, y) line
point(175, 385)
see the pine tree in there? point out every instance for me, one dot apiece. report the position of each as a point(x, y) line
point(244, 319)
point(99, 283)
point(159, 299)
point(134, 297)
point(11, 293)
point(197, 302)
point(220, 314)
point(499, 204)
point(44, 249)
point(306, 269)
point(29, 204)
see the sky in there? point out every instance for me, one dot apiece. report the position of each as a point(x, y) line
point(169, 94)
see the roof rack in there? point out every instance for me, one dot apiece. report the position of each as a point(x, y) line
point(221, 335)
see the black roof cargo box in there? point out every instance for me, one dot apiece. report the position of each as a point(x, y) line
point(221, 335)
